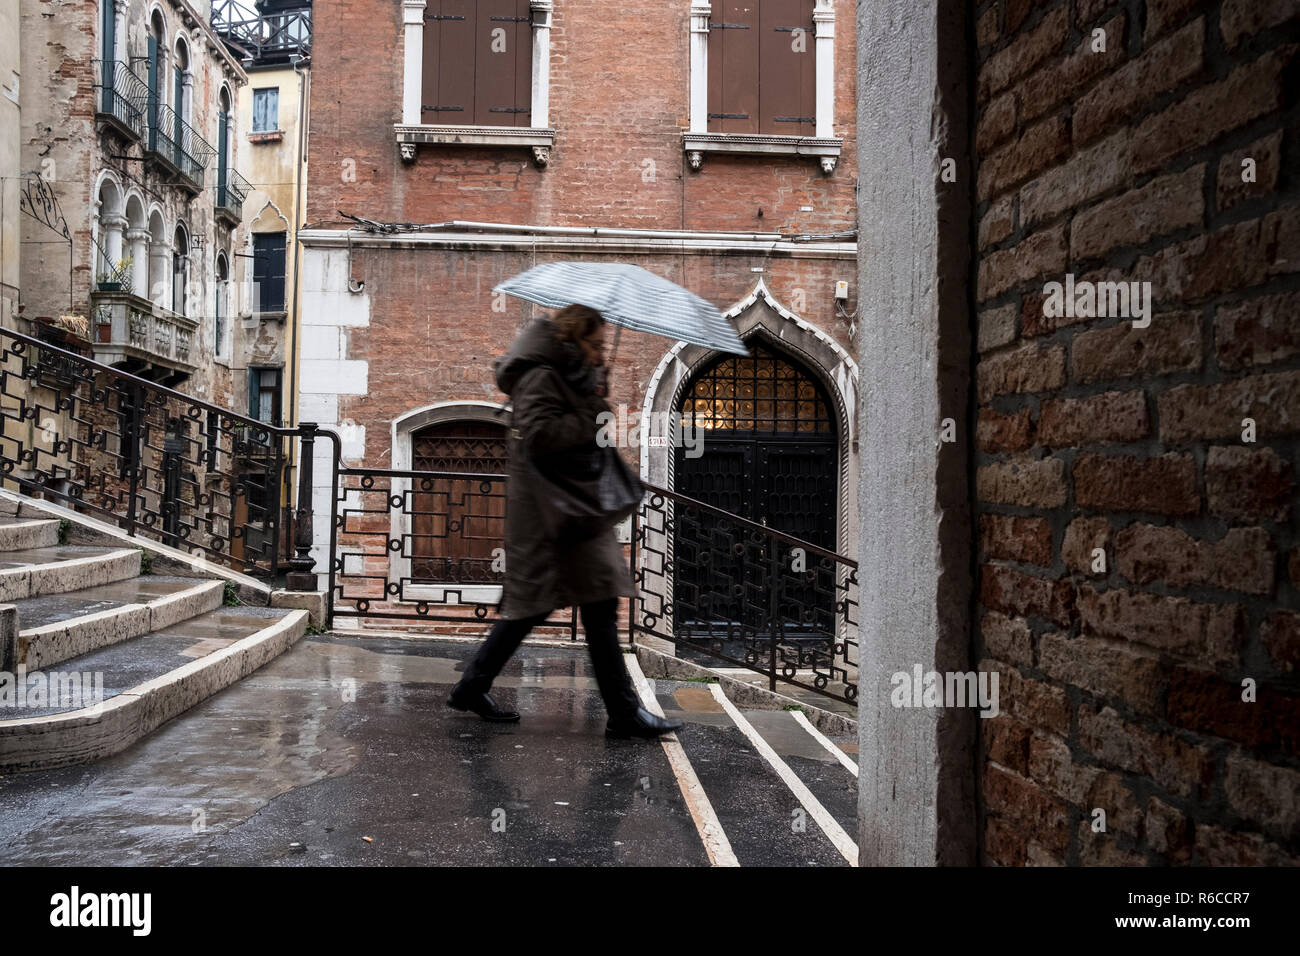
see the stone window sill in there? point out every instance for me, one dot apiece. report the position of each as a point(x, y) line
point(752, 144)
point(539, 140)
point(266, 136)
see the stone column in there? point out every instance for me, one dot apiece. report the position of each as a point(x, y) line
point(700, 12)
point(541, 106)
point(413, 64)
point(824, 21)
point(160, 272)
point(110, 238)
point(916, 800)
point(138, 240)
point(121, 50)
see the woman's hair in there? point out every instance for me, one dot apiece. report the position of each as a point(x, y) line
point(573, 323)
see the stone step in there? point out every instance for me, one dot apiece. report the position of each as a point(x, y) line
point(21, 534)
point(130, 688)
point(765, 823)
point(34, 572)
point(58, 627)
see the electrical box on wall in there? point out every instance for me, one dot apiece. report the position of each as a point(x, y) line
point(841, 290)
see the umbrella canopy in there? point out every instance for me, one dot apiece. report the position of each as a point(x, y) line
point(629, 297)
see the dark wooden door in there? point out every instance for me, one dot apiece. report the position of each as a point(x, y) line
point(456, 523)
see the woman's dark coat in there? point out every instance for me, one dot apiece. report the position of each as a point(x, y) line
point(541, 573)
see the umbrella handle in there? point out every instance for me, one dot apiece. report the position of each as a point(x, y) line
point(617, 331)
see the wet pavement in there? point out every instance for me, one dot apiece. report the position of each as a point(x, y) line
point(342, 752)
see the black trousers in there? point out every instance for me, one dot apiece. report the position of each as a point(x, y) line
point(599, 622)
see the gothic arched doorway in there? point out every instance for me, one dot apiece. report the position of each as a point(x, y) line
point(769, 454)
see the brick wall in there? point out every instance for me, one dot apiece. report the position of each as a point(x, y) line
point(1122, 685)
point(620, 80)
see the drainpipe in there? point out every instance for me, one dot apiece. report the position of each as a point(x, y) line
point(294, 319)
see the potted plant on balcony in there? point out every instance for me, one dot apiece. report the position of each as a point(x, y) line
point(114, 282)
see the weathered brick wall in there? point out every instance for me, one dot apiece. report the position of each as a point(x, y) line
point(1122, 688)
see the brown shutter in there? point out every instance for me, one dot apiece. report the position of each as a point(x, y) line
point(734, 26)
point(448, 62)
point(495, 93)
point(787, 95)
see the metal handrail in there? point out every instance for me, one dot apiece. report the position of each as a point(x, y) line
point(144, 493)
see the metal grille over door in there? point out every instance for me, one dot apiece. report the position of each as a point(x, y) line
point(455, 525)
point(769, 455)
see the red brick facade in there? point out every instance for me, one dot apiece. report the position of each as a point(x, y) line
point(619, 105)
point(1137, 544)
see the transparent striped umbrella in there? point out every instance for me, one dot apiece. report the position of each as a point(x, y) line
point(629, 297)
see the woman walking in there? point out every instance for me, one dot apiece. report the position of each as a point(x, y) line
point(554, 375)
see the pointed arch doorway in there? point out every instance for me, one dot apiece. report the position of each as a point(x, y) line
point(769, 453)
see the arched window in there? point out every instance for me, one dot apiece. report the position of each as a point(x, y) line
point(180, 268)
point(455, 524)
point(221, 305)
point(223, 148)
point(761, 392)
point(108, 241)
point(155, 80)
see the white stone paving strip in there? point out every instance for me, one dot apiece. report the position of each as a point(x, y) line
point(848, 849)
point(710, 829)
point(821, 738)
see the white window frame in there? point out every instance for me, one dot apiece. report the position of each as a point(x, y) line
point(411, 132)
point(823, 144)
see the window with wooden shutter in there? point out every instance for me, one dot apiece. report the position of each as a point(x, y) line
point(478, 58)
point(762, 68)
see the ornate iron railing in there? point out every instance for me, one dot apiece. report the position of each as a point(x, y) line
point(723, 588)
point(176, 141)
point(421, 546)
point(429, 546)
point(154, 461)
point(232, 192)
point(121, 94)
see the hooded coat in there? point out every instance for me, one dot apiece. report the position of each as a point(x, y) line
point(543, 375)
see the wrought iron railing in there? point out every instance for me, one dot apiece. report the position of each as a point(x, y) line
point(178, 143)
point(723, 588)
point(156, 462)
point(121, 94)
point(279, 31)
point(421, 546)
point(232, 192)
point(429, 546)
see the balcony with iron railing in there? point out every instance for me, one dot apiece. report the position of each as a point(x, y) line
point(264, 33)
point(232, 190)
point(121, 98)
point(176, 145)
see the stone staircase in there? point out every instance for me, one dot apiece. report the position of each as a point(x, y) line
point(95, 652)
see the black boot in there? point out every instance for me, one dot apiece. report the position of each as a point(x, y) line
point(640, 723)
point(464, 698)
